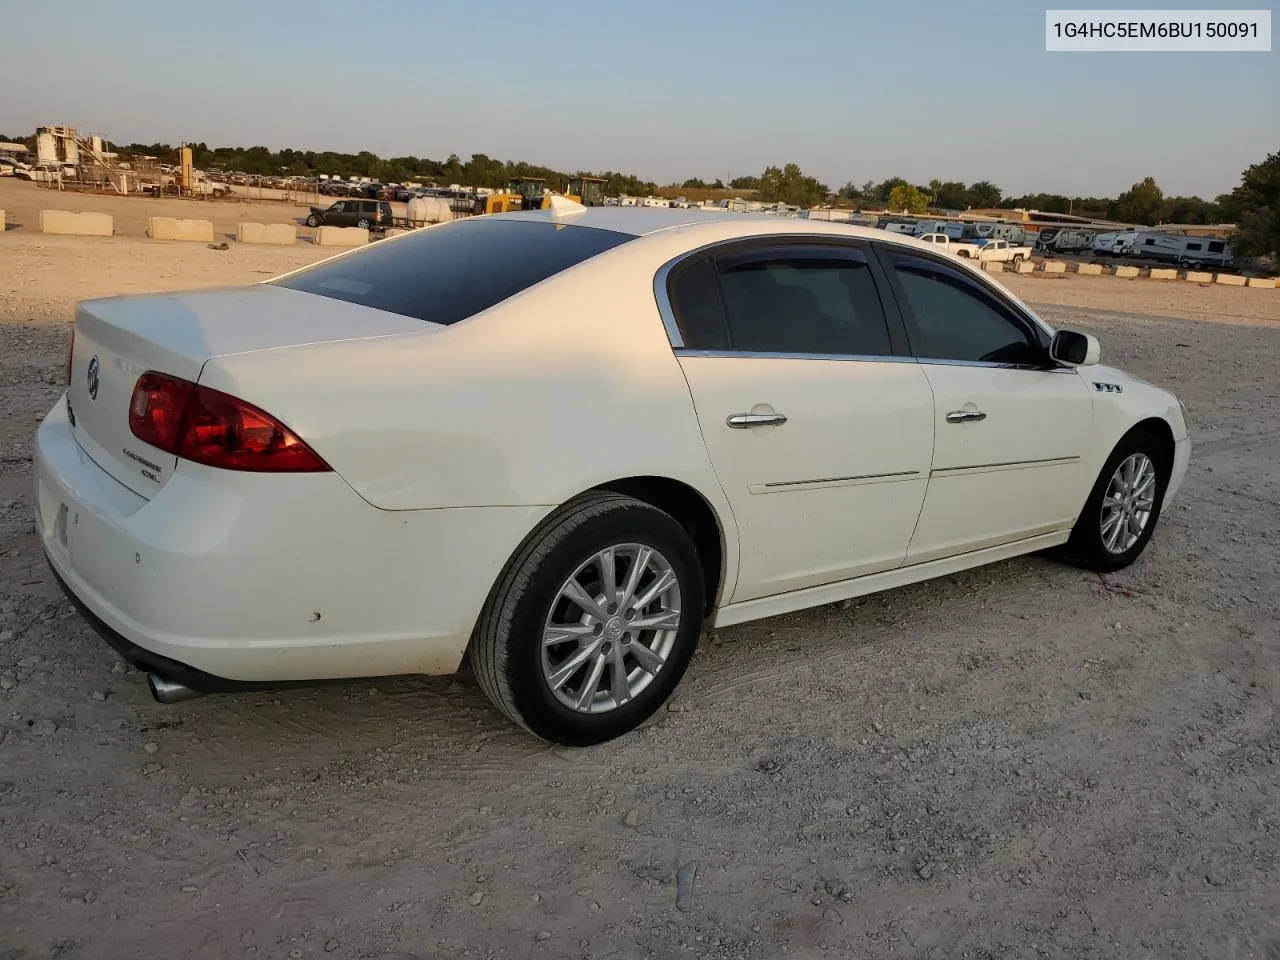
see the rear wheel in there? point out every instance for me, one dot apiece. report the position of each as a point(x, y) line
point(1121, 513)
point(362, 223)
point(1017, 258)
point(593, 622)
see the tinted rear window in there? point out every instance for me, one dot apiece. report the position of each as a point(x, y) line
point(446, 274)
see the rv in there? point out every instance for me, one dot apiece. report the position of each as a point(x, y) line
point(1064, 240)
point(1194, 252)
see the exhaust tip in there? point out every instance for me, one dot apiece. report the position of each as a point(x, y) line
point(166, 691)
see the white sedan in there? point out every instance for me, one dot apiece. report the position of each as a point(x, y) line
point(560, 443)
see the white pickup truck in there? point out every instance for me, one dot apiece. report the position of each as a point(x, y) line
point(997, 250)
point(1002, 251)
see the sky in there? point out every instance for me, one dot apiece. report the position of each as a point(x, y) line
point(851, 90)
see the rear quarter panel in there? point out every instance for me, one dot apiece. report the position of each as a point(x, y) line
point(568, 385)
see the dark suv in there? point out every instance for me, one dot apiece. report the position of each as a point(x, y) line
point(370, 214)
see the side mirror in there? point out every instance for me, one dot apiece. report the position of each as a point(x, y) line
point(1073, 349)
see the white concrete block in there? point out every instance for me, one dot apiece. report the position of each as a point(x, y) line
point(76, 224)
point(1023, 266)
point(1054, 266)
point(1089, 269)
point(284, 234)
point(1129, 272)
point(176, 228)
point(341, 237)
point(1163, 273)
point(1263, 283)
point(1197, 277)
point(1229, 280)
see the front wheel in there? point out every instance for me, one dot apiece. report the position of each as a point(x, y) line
point(1120, 515)
point(313, 221)
point(593, 622)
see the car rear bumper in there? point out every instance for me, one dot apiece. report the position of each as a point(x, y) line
point(225, 578)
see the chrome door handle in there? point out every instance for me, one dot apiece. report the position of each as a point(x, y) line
point(742, 421)
point(965, 416)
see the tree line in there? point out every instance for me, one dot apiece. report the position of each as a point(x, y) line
point(1254, 205)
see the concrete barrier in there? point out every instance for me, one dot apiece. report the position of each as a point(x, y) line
point(1089, 269)
point(1229, 279)
point(2, 223)
point(76, 224)
point(1129, 272)
point(993, 266)
point(1163, 273)
point(1194, 277)
point(173, 228)
point(285, 234)
point(1264, 283)
point(1023, 266)
point(1054, 266)
point(341, 237)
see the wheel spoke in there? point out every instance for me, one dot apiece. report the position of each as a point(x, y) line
point(592, 683)
point(638, 567)
point(1145, 483)
point(589, 604)
point(571, 666)
point(618, 679)
point(662, 620)
point(1144, 504)
point(606, 560)
point(1114, 536)
point(1135, 525)
point(649, 661)
point(655, 589)
point(564, 632)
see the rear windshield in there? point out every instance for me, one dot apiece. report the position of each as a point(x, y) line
point(448, 273)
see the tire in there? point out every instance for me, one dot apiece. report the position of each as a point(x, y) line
point(362, 223)
point(313, 221)
point(507, 651)
point(1087, 546)
point(1017, 258)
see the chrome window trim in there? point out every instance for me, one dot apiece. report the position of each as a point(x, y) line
point(859, 358)
point(769, 355)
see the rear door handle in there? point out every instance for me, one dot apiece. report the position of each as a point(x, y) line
point(965, 416)
point(743, 421)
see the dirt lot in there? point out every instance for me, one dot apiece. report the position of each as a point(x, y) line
point(1020, 761)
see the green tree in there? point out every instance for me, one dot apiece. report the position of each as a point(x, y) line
point(906, 197)
point(694, 183)
point(745, 183)
point(1141, 203)
point(850, 191)
point(789, 185)
point(1255, 208)
point(934, 186)
point(1189, 210)
point(952, 195)
point(984, 194)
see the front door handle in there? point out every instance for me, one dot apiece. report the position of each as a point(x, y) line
point(743, 421)
point(965, 416)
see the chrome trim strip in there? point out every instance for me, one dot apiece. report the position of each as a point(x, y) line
point(937, 362)
point(765, 355)
point(865, 476)
point(1009, 465)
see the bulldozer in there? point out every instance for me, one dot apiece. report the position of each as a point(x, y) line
point(522, 193)
point(588, 191)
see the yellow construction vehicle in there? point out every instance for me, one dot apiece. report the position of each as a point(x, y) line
point(522, 193)
point(588, 191)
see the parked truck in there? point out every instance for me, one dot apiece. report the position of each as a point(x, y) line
point(1002, 251)
point(960, 248)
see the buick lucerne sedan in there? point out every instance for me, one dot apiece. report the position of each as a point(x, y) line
point(559, 443)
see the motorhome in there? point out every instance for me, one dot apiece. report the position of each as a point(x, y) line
point(1194, 252)
point(1064, 240)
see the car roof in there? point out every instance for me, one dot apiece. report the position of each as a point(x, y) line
point(643, 221)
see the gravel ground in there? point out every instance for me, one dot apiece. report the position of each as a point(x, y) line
point(1019, 761)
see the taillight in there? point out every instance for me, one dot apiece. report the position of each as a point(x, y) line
point(71, 348)
point(214, 428)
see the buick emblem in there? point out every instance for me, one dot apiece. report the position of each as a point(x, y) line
point(91, 378)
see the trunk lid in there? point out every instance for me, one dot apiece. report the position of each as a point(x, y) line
point(120, 338)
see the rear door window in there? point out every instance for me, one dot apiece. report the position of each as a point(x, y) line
point(454, 271)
